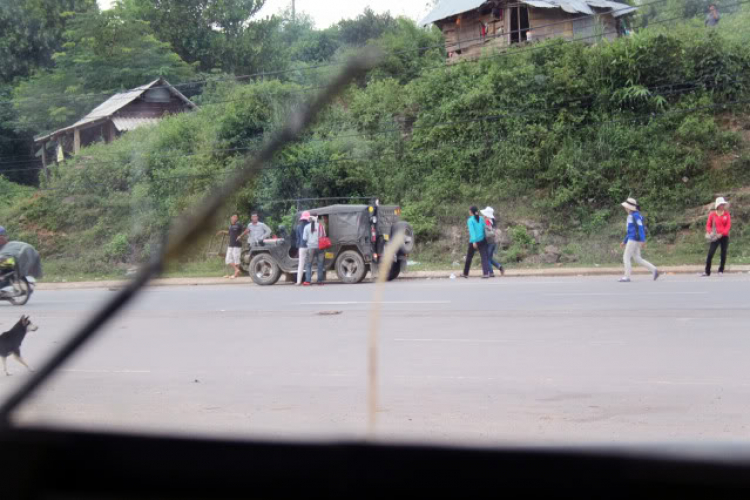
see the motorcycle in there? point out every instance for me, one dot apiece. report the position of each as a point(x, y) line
point(14, 287)
point(20, 263)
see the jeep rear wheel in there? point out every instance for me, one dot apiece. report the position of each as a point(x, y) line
point(350, 267)
point(407, 246)
point(264, 270)
point(394, 271)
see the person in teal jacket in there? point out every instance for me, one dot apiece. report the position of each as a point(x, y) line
point(477, 242)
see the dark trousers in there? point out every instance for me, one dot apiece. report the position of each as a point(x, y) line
point(482, 248)
point(491, 247)
point(724, 242)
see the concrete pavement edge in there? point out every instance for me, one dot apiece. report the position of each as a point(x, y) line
point(413, 275)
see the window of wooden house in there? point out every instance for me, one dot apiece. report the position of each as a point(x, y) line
point(519, 23)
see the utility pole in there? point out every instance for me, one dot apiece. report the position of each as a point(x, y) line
point(294, 11)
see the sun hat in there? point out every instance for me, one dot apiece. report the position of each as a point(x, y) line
point(631, 204)
point(720, 201)
point(488, 212)
point(305, 215)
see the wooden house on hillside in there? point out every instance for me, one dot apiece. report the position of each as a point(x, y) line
point(120, 113)
point(472, 26)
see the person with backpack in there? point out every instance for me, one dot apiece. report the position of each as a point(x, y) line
point(635, 240)
point(489, 234)
point(312, 235)
point(477, 242)
point(717, 233)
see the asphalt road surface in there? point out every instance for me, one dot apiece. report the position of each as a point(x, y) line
point(542, 361)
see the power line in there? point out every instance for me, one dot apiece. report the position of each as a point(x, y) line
point(264, 74)
point(370, 158)
point(513, 111)
point(507, 52)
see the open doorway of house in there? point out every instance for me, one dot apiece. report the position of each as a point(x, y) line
point(519, 23)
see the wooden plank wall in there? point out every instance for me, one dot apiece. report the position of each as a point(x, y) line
point(550, 23)
point(543, 24)
point(467, 37)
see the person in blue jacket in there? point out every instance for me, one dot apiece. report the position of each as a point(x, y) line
point(477, 242)
point(635, 239)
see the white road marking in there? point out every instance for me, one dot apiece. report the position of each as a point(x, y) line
point(106, 371)
point(478, 341)
point(602, 294)
point(396, 302)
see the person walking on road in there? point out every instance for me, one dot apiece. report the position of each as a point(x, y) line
point(304, 220)
point(477, 242)
point(634, 241)
point(234, 248)
point(312, 234)
point(489, 220)
point(717, 232)
point(256, 231)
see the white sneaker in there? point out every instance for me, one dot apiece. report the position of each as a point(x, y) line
point(624, 280)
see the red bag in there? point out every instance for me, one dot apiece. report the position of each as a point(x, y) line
point(324, 241)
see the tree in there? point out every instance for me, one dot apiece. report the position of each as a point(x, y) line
point(366, 26)
point(31, 31)
point(103, 52)
point(218, 35)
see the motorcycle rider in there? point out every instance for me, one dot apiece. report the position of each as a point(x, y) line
point(3, 240)
point(17, 255)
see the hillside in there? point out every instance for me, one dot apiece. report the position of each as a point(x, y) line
point(553, 135)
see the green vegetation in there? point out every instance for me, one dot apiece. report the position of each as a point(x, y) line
point(554, 138)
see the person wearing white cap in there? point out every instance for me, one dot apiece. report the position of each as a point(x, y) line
point(635, 239)
point(717, 232)
point(489, 220)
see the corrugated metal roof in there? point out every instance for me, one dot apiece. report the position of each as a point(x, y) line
point(448, 8)
point(124, 123)
point(583, 6)
point(115, 103)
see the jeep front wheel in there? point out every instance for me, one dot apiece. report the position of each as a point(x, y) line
point(350, 267)
point(264, 270)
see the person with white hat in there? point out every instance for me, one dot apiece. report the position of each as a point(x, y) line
point(477, 243)
point(717, 232)
point(635, 239)
point(489, 220)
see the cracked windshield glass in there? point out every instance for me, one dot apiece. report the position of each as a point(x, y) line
point(513, 223)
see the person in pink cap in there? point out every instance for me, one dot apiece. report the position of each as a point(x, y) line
point(302, 245)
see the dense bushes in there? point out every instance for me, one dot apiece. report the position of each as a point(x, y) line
point(577, 128)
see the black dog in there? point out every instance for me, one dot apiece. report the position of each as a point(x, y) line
point(10, 341)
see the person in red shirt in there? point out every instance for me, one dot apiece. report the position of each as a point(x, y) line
point(721, 220)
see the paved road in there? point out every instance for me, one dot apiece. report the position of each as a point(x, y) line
point(546, 361)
